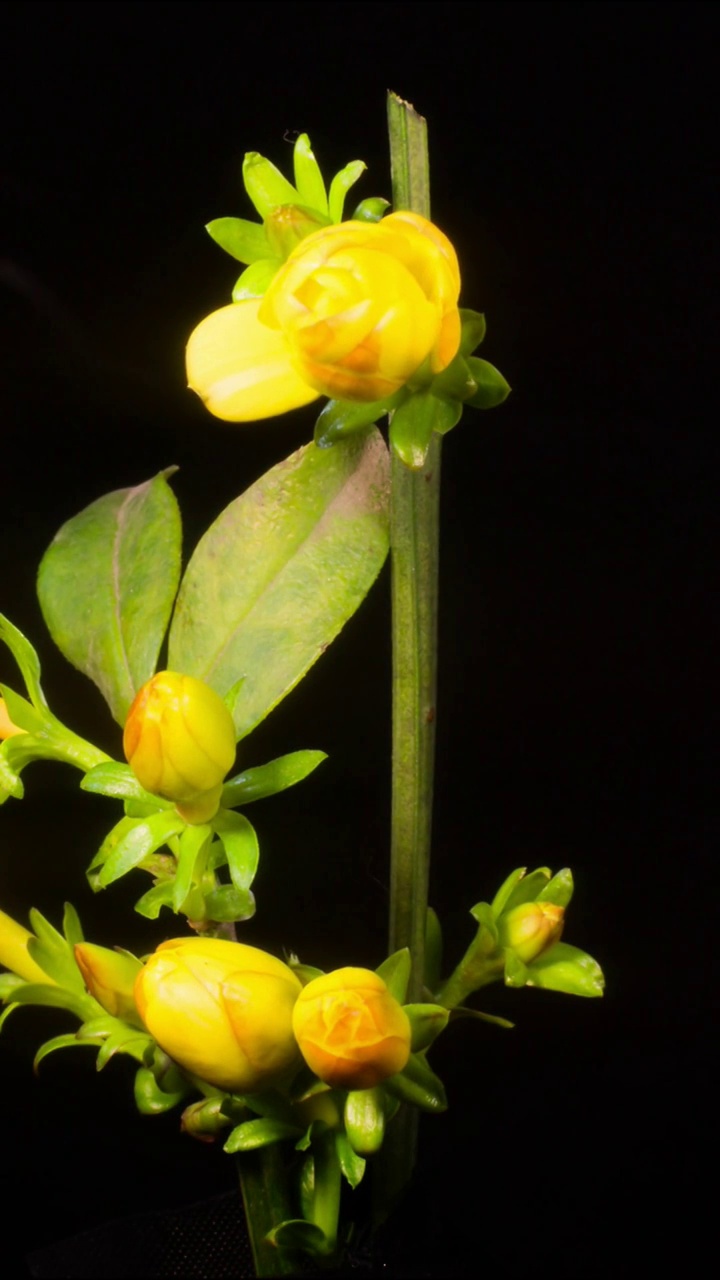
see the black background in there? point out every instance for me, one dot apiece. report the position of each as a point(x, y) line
point(573, 165)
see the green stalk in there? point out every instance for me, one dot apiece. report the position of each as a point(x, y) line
point(263, 1182)
point(414, 536)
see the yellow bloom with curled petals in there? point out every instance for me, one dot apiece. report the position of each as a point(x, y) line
point(221, 1010)
point(352, 1032)
point(353, 314)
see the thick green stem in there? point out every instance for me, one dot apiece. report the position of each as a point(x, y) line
point(414, 531)
point(263, 1182)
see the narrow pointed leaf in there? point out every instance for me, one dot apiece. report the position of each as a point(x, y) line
point(528, 888)
point(568, 969)
point(56, 998)
point(418, 1085)
point(106, 586)
point(50, 1046)
point(280, 572)
point(503, 893)
point(268, 779)
point(559, 890)
point(259, 1133)
point(308, 176)
point(352, 1165)
point(113, 779)
point(144, 839)
point(241, 846)
point(72, 929)
point(433, 951)
point(243, 240)
point(192, 842)
point(395, 973)
point(265, 184)
point(21, 712)
point(340, 185)
point(462, 1011)
point(255, 280)
point(26, 658)
point(50, 950)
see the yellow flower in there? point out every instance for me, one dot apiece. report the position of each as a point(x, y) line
point(14, 954)
point(353, 314)
point(7, 728)
point(179, 741)
point(531, 929)
point(352, 1032)
point(221, 1010)
point(110, 977)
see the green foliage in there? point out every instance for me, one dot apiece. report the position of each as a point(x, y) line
point(254, 1134)
point(342, 418)
point(269, 779)
point(419, 1085)
point(395, 973)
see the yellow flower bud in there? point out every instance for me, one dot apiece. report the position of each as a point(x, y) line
point(353, 314)
point(179, 741)
point(14, 954)
point(7, 728)
point(531, 929)
point(221, 1010)
point(110, 977)
point(352, 1032)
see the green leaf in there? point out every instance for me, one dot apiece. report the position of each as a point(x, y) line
point(433, 951)
point(56, 998)
point(342, 418)
point(254, 1134)
point(114, 779)
point(192, 844)
point(492, 387)
point(8, 983)
point(516, 973)
point(484, 914)
point(152, 902)
point(340, 185)
point(265, 184)
point(414, 421)
point(370, 209)
point(462, 1011)
point(280, 571)
point(427, 1021)
point(297, 1234)
point(106, 586)
point(150, 1099)
point(26, 658)
point(527, 888)
point(241, 846)
point(243, 240)
point(255, 280)
point(10, 783)
point(568, 969)
point(503, 893)
point(352, 1165)
point(454, 383)
point(123, 1039)
point(51, 952)
point(418, 1085)
point(473, 330)
point(6, 1014)
point(228, 904)
point(72, 929)
point(68, 1041)
point(395, 973)
point(21, 712)
point(143, 840)
point(308, 176)
point(559, 890)
point(268, 779)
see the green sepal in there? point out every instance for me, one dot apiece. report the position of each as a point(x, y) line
point(455, 382)
point(150, 1099)
point(56, 998)
point(21, 712)
point(559, 890)
point(123, 1040)
point(114, 779)
point(71, 927)
point(246, 241)
point(68, 1041)
point(98, 1027)
point(527, 888)
point(433, 951)
point(352, 1165)
point(305, 972)
point(51, 951)
point(152, 902)
point(462, 1011)
point(395, 973)
point(485, 916)
point(426, 1021)
point(500, 900)
point(144, 838)
point(308, 175)
point(8, 983)
point(371, 209)
point(256, 279)
point(473, 329)
point(413, 423)
point(241, 846)
point(364, 1121)
point(341, 418)
point(265, 184)
point(492, 388)
point(340, 185)
point(230, 905)
point(568, 969)
point(269, 779)
point(26, 659)
point(194, 841)
point(254, 1134)
point(516, 973)
point(297, 1234)
point(418, 1085)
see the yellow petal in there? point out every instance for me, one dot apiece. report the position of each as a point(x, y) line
point(241, 368)
point(14, 954)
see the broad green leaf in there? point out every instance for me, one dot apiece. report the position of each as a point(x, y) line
point(265, 184)
point(255, 279)
point(243, 240)
point(559, 890)
point(268, 779)
point(418, 1085)
point(26, 658)
point(566, 968)
point(308, 176)
point(342, 418)
point(113, 779)
point(280, 572)
point(106, 586)
point(340, 185)
point(395, 973)
point(192, 844)
point(228, 904)
point(241, 846)
point(492, 388)
point(254, 1134)
point(144, 839)
point(427, 1021)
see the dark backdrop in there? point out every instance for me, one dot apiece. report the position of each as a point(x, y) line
point(573, 167)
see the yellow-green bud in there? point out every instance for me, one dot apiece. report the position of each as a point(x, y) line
point(179, 741)
point(531, 929)
point(14, 954)
point(110, 977)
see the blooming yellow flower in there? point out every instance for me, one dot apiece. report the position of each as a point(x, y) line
point(14, 954)
point(531, 928)
point(7, 728)
point(352, 1032)
point(221, 1010)
point(353, 314)
point(179, 741)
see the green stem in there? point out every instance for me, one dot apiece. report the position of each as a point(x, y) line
point(414, 534)
point(263, 1182)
